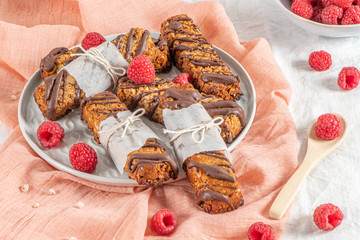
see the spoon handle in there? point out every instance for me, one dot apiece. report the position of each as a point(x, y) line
point(288, 192)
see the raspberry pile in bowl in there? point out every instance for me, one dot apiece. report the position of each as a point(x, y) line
point(333, 12)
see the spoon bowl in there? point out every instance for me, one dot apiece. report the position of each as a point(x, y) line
point(317, 149)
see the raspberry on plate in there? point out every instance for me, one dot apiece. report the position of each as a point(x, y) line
point(183, 78)
point(49, 134)
point(163, 222)
point(328, 127)
point(92, 39)
point(261, 231)
point(83, 157)
point(351, 16)
point(303, 8)
point(320, 61)
point(141, 70)
point(348, 78)
point(332, 15)
point(327, 216)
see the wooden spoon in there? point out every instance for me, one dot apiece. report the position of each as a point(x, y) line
point(316, 150)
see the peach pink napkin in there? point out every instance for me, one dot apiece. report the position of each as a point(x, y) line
point(263, 161)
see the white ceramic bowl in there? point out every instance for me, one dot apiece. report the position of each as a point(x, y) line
point(336, 31)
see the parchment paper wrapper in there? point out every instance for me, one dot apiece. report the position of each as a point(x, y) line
point(90, 75)
point(135, 137)
point(184, 145)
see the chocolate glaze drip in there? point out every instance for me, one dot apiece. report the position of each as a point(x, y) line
point(104, 99)
point(208, 191)
point(155, 101)
point(67, 61)
point(129, 44)
point(181, 98)
point(48, 62)
point(225, 108)
point(218, 78)
point(207, 62)
point(175, 26)
point(214, 171)
point(142, 45)
point(144, 159)
point(53, 84)
point(161, 43)
point(209, 195)
point(118, 40)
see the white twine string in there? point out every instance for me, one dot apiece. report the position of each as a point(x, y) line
point(96, 55)
point(124, 124)
point(201, 128)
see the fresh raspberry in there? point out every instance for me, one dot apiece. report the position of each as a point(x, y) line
point(183, 78)
point(332, 15)
point(326, 3)
point(327, 216)
point(344, 4)
point(261, 231)
point(348, 78)
point(163, 222)
point(49, 134)
point(92, 39)
point(351, 15)
point(328, 127)
point(317, 14)
point(83, 157)
point(303, 8)
point(356, 2)
point(141, 70)
point(320, 61)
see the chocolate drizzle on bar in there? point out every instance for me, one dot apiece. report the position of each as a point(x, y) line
point(181, 98)
point(208, 191)
point(189, 46)
point(138, 160)
point(48, 62)
point(152, 88)
point(140, 49)
point(53, 84)
point(104, 99)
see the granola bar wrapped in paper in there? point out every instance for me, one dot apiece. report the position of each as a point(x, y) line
point(89, 72)
point(132, 145)
point(205, 158)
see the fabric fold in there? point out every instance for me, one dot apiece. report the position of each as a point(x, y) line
point(263, 161)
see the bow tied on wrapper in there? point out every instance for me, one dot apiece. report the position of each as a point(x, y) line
point(135, 116)
point(98, 57)
point(200, 129)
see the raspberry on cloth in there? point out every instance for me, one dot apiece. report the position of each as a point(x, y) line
point(264, 161)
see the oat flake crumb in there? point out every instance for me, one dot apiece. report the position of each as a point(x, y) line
point(73, 238)
point(52, 191)
point(36, 205)
point(79, 205)
point(24, 188)
point(13, 97)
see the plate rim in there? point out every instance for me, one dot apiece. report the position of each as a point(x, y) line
point(111, 180)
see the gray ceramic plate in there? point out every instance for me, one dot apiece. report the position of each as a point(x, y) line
point(30, 117)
